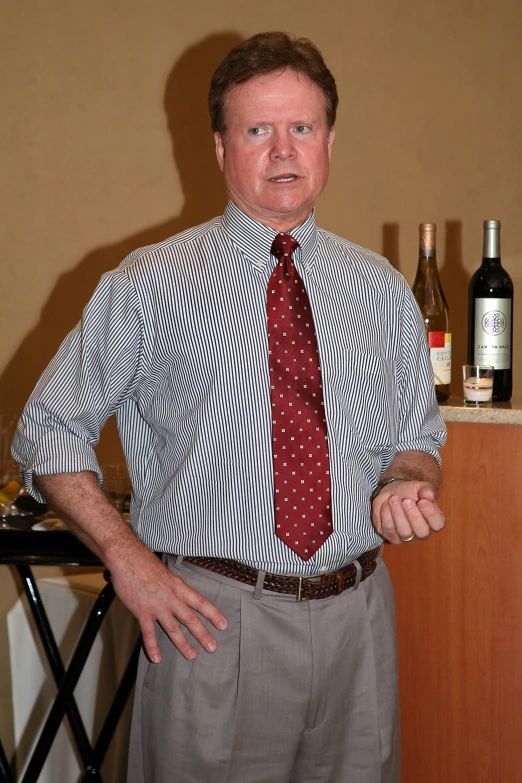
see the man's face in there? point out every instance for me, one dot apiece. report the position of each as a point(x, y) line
point(277, 151)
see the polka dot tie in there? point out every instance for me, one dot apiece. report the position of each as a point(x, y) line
point(299, 436)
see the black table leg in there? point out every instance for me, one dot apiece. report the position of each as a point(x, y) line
point(55, 662)
point(120, 699)
point(67, 687)
point(6, 775)
point(62, 548)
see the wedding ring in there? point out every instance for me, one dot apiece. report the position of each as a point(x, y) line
point(407, 540)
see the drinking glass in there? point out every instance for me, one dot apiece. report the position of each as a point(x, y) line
point(9, 471)
point(10, 486)
point(478, 384)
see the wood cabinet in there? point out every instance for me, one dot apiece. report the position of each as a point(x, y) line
point(459, 618)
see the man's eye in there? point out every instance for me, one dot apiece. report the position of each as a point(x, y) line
point(256, 131)
point(302, 128)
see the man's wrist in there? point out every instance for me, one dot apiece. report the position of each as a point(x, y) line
point(384, 483)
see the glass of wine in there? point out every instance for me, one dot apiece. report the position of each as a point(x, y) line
point(10, 486)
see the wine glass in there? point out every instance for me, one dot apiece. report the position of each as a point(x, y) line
point(10, 485)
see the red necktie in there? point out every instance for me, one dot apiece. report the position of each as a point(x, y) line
point(299, 436)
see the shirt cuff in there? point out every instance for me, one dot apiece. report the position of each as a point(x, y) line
point(51, 465)
point(422, 444)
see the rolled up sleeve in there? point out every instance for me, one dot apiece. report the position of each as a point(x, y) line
point(96, 369)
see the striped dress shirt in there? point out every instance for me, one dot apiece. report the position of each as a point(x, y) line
point(174, 343)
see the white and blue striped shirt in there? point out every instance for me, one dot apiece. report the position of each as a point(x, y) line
point(174, 342)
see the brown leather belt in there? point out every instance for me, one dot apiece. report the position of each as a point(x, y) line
point(303, 587)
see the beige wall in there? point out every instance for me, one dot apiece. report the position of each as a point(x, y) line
point(106, 147)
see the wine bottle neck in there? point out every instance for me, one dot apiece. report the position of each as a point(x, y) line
point(428, 262)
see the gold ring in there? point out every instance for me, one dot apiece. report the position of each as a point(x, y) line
point(407, 540)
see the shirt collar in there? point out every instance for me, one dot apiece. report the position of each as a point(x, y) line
point(254, 240)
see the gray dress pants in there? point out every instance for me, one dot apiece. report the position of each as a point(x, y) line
point(295, 692)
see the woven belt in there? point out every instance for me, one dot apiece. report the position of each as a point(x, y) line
point(305, 588)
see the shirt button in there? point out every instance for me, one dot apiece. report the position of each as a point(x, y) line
point(323, 569)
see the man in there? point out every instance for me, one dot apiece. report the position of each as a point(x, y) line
point(263, 475)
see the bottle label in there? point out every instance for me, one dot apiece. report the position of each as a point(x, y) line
point(493, 332)
point(440, 354)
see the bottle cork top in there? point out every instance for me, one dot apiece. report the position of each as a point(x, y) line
point(491, 244)
point(427, 239)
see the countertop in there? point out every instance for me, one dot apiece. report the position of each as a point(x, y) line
point(499, 412)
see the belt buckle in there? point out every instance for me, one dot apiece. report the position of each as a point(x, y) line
point(300, 596)
point(339, 574)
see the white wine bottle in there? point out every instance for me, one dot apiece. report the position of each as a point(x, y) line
point(490, 328)
point(434, 308)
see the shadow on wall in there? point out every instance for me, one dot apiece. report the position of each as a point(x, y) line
point(390, 244)
point(185, 103)
point(455, 281)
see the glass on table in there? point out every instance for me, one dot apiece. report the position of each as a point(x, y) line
point(11, 489)
point(478, 384)
point(9, 470)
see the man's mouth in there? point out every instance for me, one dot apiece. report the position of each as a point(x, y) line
point(284, 178)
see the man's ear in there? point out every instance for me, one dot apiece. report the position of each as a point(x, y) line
point(331, 137)
point(220, 150)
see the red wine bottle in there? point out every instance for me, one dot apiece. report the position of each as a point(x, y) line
point(490, 314)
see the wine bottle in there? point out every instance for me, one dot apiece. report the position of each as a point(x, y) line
point(430, 297)
point(490, 314)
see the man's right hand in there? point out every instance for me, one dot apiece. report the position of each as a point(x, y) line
point(154, 594)
point(143, 583)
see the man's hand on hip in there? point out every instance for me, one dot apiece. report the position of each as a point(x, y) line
point(406, 510)
point(143, 583)
point(154, 594)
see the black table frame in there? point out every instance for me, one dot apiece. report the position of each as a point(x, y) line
point(24, 549)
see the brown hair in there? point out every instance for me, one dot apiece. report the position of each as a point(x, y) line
point(263, 54)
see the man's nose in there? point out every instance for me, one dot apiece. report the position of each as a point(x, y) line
point(283, 146)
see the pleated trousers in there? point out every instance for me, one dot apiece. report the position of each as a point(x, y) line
point(296, 692)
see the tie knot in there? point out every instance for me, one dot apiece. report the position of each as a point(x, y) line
point(284, 245)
